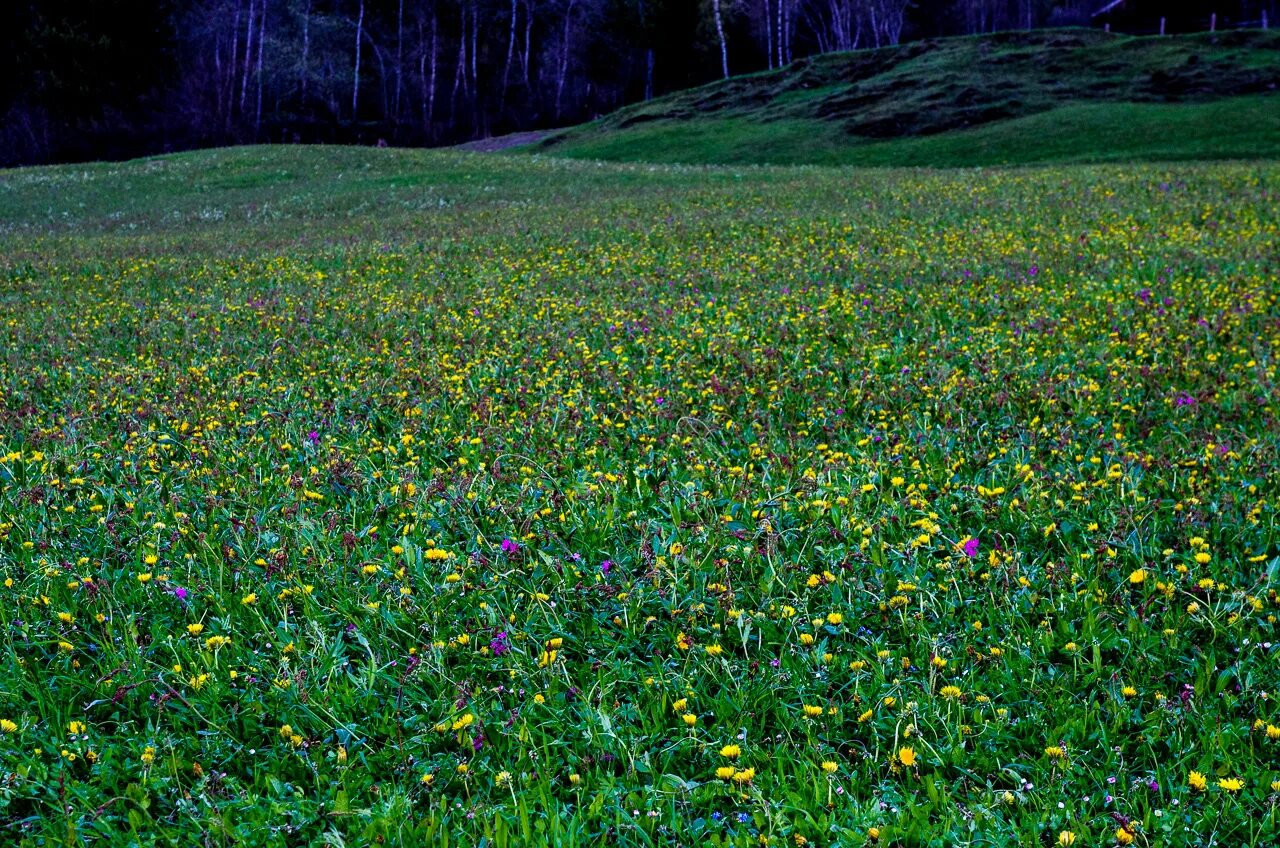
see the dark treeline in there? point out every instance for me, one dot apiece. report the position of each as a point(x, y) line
point(94, 79)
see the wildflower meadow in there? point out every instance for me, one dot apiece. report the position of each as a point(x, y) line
point(409, 498)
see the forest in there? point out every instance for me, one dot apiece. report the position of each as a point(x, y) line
point(110, 79)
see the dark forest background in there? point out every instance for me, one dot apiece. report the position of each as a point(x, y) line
point(104, 79)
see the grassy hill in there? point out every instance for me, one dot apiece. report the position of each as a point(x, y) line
point(1007, 98)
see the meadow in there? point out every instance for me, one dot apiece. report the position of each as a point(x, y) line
point(355, 497)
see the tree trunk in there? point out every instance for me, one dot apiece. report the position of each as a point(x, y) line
point(506, 69)
point(475, 36)
point(306, 48)
point(229, 84)
point(460, 72)
point(787, 30)
point(476, 115)
point(262, 37)
point(431, 97)
point(768, 32)
point(422, 71)
point(399, 60)
point(564, 58)
point(248, 59)
point(782, 32)
point(355, 86)
point(724, 50)
point(382, 77)
point(217, 76)
point(528, 41)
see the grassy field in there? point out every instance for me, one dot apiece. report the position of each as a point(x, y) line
point(355, 497)
point(1052, 96)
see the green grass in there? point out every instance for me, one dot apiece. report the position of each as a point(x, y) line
point(1235, 128)
point(1009, 98)
point(360, 497)
point(281, 198)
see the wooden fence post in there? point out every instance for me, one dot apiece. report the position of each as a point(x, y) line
point(1213, 22)
point(1162, 26)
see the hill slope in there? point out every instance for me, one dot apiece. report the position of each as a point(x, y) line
point(1005, 98)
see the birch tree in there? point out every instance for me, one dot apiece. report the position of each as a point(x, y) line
point(724, 49)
